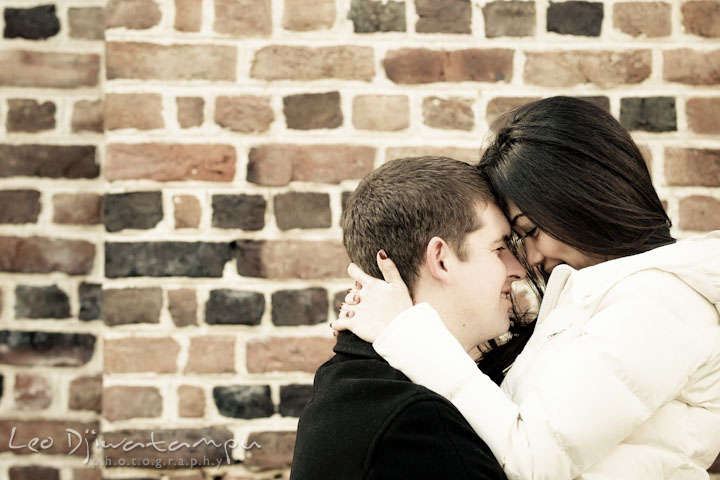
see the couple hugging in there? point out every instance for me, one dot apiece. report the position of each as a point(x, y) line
point(619, 375)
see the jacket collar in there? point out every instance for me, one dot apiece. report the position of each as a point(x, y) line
point(350, 344)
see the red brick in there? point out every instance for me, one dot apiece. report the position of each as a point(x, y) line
point(345, 62)
point(647, 156)
point(303, 259)
point(132, 14)
point(133, 110)
point(467, 155)
point(287, 354)
point(87, 23)
point(500, 105)
point(187, 211)
point(140, 355)
point(243, 18)
point(27, 115)
point(692, 166)
point(45, 255)
point(191, 476)
point(122, 403)
point(19, 206)
point(191, 401)
point(577, 67)
point(188, 15)
point(170, 162)
point(419, 65)
point(211, 354)
point(190, 111)
point(449, 113)
point(651, 19)
point(703, 115)
point(122, 306)
point(182, 305)
point(148, 61)
point(305, 15)
point(277, 165)
point(23, 68)
point(77, 208)
point(245, 114)
point(87, 474)
point(53, 161)
point(88, 116)
point(701, 18)
point(33, 473)
point(381, 112)
point(57, 430)
point(86, 393)
point(276, 452)
point(32, 392)
point(699, 213)
point(691, 67)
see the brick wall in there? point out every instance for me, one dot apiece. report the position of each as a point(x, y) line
point(171, 188)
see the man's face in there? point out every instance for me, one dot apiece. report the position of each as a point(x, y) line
point(478, 294)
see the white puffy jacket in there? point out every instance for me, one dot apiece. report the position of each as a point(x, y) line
point(620, 380)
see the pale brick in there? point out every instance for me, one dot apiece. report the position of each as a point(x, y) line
point(701, 18)
point(32, 392)
point(122, 306)
point(211, 354)
point(345, 62)
point(187, 211)
point(191, 402)
point(77, 208)
point(132, 14)
point(467, 155)
point(305, 15)
point(87, 23)
point(699, 213)
point(692, 67)
point(86, 393)
point(703, 114)
point(501, 105)
point(182, 305)
point(133, 110)
point(509, 19)
point(170, 162)
point(443, 16)
point(45, 255)
point(419, 65)
point(285, 259)
point(87, 474)
point(243, 18)
point(313, 110)
point(141, 355)
point(245, 114)
point(277, 165)
point(148, 61)
point(578, 67)
point(88, 116)
point(381, 112)
point(125, 402)
point(288, 354)
point(651, 19)
point(188, 15)
point(449, 113)
point(692, 166)
point(23, 68)
point(190, 111)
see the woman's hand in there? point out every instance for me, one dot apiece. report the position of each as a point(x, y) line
point(373, 303)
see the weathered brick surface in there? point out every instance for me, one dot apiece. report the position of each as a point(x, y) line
point(23, 68)
point(703, 114)
point(276, 452)
point(509, 19)
point(288, 354)
point(443, 16)
point(651, 19)
point(132, 14)
point(133, 110)
point(243, 18)
point(300, 307)
point(87, 23)
point(134, 210)
point(191, 402)
point(467, 155)
point(420, 65)
point(575, 18)
point(245, 114)
point(122, 306)
point(122, 403)
point(302, 210)
point(34, 473)
point(45, 349)
point(77, 208)
point(187, 211)
point(86, 474)
point(32, 392)
point(692, 166)
point(26, 430)
point(305, 15)
point(211, 354)
point(234, 307)
point(577, 67)
point(448, 113)
point(45, 255)
point(277, 165)
point(691, 67)
point(41, 302)
point(182, 305)
point(701, 18)
point(190, 111)
point(148, 61)
point(20, 206)
point(27, 115)
point(370, 16)
point(170, 162)
point(90, 297)
point(31, 23)
point(165, 259)
point(86, 393)
point(246, 212)
point(188, 15)
point(283, 62)
point(53, 161)
point(293, 398)
point(500, 105)
point(280, 259)
point(652, 114)
point(698, 212)
point(140, 354)
point(88, 116)
point(381, 112)
point(309, 111)
point(238, 401)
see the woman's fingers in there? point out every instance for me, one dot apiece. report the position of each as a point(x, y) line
point(352, 298)
point(389, 270)
point(359, 276)
point(340, 324)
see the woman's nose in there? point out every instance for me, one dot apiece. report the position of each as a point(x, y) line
point(534, 257)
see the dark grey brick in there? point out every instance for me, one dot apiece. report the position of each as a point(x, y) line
point(165, 259)
point(41, 302)
point(575, 18)
point(651, 114)
point(370, 16)
point(246, 212)
point(234, 307)
point(31, 23)
point(137, 210)
point(239, 401)
point(90, 295)
point(302, 210)
point(300, 307)
point(46, 348)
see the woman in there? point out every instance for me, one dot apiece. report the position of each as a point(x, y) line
point(621, 376)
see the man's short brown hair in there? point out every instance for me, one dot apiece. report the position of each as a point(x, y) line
point(406, 202)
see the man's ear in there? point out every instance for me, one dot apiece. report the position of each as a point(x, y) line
point(437, 255)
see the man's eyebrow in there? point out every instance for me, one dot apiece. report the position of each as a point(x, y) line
point(515, 218)
point(503, 239)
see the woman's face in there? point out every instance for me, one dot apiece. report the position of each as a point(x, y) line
point(543, 250)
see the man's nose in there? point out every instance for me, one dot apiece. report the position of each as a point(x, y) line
point(514, 268)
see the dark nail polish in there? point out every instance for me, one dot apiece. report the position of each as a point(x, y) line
point(383, 255)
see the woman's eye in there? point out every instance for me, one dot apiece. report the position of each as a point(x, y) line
point(530, 233)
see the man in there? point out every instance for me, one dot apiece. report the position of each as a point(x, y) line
point(436, 218)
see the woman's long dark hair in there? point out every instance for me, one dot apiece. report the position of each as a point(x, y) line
point(576, 173)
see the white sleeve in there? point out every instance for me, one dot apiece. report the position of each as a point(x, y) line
point(629, 361)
